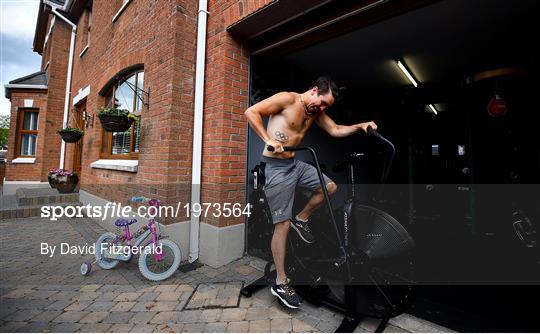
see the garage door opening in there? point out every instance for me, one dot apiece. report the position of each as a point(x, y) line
point(469, 124)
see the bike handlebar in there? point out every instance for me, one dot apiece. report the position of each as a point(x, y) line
point(388, 161)
point(371, 131)
point(374, 132)
point(285, 149)
point(143, 199)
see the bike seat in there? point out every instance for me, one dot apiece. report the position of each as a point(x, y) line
point(124, 222)
point(350, 160)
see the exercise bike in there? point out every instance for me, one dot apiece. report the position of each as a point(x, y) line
point(362, 266)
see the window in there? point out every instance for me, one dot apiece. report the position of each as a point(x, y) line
point(27, 132)
point(122, 95)
point(434, 149)
point(461, 149)
point(87, 27)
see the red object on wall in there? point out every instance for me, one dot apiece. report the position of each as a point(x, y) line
point(497, 107)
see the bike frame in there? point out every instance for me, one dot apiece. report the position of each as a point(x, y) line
point(151, 229)
point(352, 317)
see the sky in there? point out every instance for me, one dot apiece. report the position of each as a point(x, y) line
point(17, 26)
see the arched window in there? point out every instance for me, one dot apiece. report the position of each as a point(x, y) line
point(124, 145)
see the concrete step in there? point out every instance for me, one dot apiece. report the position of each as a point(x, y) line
point(28, 211)
point(39, 196)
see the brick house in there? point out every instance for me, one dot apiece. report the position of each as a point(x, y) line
point(193, 140)
point(152, 45)
point(142, 55)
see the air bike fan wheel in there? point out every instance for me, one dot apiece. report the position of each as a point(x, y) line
point(382, 264)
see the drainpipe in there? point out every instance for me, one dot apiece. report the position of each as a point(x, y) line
point(68, 79)
point(197, 130)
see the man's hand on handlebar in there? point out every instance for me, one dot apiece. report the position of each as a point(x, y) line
point(364, 126)
point(278, 146)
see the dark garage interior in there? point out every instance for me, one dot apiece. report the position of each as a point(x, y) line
point(465, 179)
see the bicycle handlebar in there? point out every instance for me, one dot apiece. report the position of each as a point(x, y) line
point(388, 161)
point(139, 199)
point(143, 199)
point(285, 149)
point(374, 132)
point(371, 131)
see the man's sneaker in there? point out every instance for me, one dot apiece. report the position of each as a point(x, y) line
point(303, 230)
point(286, 295)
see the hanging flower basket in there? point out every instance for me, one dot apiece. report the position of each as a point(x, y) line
point(65, 181)
point(116, 120)
point(71, 135)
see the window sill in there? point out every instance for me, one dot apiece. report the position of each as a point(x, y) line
point(120, 164)
point(83, 51)
point(23, 161)
point(121, 10)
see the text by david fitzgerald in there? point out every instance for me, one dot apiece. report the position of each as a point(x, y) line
point(106, 248)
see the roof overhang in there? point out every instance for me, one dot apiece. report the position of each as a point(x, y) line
point(285, 26)
point(41, 29)
point(273, 15)
point(45, 7)
point(10, 87)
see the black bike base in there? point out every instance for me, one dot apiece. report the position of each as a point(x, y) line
point(348, 324)
point(248, 290)
point(266, 280)
point(351, 319)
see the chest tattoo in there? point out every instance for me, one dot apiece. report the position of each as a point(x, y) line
point(281, 137)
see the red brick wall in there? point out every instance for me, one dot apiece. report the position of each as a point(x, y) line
point(54, 113)
point(236, 10)
point(226, 99)
point(162, 36)
point(2, 172)
point(51, 110)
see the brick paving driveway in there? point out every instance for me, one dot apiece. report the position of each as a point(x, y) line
point(40, 293)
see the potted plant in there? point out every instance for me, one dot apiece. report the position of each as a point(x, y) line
point(65, 181)
point(71, 135)
point(52, 180)
point(116, 120)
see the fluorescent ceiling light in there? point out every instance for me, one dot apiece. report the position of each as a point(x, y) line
point(407, 73)
point(409, 76)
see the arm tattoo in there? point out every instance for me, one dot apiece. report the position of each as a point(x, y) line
point(281, 137)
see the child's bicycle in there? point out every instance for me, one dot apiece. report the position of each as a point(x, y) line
point(159, 258)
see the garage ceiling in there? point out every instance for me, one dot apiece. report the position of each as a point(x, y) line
point(442, 42)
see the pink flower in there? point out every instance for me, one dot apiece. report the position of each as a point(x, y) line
point(60, 172)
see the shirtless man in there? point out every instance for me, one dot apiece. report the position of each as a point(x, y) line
point(291, 115)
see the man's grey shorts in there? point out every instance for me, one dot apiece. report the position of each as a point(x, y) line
point(282, 176)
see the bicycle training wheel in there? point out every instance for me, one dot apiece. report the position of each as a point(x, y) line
point(101, 243)
point(155, 270)
point(382, 265)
